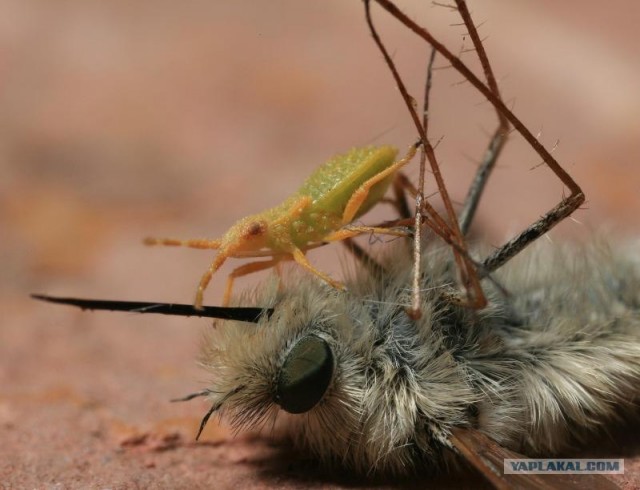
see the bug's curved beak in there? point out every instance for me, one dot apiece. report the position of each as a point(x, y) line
point(241, 314)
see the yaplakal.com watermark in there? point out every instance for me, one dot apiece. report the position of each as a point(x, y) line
point(564, 466)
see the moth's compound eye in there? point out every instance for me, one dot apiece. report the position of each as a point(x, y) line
point(305, 375)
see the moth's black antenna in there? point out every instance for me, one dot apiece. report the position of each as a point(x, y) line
point(214, 408)
point(205, 419)
point(192, 396)
point(252, 315)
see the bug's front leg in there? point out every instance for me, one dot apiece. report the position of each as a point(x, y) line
point(206, 277)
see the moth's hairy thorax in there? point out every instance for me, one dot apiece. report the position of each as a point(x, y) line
point(537, 370)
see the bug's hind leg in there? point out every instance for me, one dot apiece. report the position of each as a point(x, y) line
point(360, 195)
point(201, 243)
point(243, 270)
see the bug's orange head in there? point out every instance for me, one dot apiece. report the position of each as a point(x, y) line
point(247, 235)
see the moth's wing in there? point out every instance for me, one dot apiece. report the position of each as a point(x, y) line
point(487, 456)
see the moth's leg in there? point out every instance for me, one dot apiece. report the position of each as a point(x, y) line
point(510, 249)
point(420, 126)
point(298, 256)
point(481, 178)
point(430, 216)
point(499, 137)
point(243, 270)
point(201, 243)
point(468, 268)
point(470, 278)
point(559, 212)
point(399, 201)
point(361, 193)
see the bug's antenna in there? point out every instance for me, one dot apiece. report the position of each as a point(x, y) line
point(252, 315)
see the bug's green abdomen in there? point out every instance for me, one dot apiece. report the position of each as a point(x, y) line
point(332, 184)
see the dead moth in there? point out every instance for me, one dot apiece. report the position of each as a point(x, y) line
point(358, 384)
point(367, 387)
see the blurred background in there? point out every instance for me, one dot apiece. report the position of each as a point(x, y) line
point(125, 119)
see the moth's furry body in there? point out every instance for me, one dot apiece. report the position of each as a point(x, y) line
point(538, 370)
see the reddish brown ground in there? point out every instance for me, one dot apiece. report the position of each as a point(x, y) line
point(125, 119)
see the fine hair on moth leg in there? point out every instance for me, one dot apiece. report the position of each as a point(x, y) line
point(452, 233)
point(358, 384)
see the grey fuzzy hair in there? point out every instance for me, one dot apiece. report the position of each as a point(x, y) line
point(542, 368)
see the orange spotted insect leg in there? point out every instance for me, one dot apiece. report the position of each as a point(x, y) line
point(299, 257)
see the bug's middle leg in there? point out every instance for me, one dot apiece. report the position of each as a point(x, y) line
point(299, 257)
